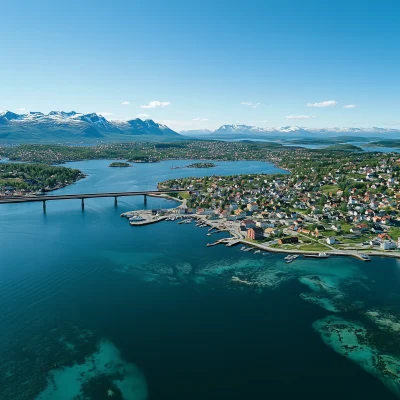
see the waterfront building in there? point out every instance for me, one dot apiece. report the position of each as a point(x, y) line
point(387, 245)
point(288, 239)
point(255, 233)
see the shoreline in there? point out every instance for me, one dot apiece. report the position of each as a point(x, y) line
point(236, 238)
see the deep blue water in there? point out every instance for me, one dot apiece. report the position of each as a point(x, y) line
point(70, 279)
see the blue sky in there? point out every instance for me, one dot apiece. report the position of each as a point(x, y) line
point(200, 64)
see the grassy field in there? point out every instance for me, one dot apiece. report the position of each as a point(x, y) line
point(185, 195)
point(329, 188)
point(313, 247)
point(394, 232)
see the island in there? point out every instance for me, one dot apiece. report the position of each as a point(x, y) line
point(197, 165)
point(119, 164)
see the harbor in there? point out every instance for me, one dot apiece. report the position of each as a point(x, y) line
point(146, 217)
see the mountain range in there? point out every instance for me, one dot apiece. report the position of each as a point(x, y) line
point(246, 131)
point(60, 126)
point(73, 127)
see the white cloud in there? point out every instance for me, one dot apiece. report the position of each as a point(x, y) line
point(21, 109)
point(105, 113)
point(143, 116)
point(350, 106)
point(327, 103)
point(156, 103)
point(125, 103)
point(250, 104)
point(294, 117)
point(200, 119)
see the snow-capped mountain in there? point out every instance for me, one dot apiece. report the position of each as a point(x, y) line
point(147, 127)
point(243, 131)
point(60, 126)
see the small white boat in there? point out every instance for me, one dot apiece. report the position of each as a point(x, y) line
point(257, 251)
point(319, 255)
point(365, 257)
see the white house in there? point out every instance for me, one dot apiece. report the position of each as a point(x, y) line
point(331, 240)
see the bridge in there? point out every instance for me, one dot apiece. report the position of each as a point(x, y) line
point(83, 196)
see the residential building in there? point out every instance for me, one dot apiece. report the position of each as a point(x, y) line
point(255, 233)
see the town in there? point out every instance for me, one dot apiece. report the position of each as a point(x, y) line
point(345, 202)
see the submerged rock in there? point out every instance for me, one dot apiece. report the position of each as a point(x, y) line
point(101, 374)
point(352, 340)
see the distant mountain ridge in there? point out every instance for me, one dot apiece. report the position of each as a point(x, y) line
point(232, 131)
point(74, 127)
point(61, 126)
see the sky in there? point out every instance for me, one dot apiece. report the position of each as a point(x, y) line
point(201, 64)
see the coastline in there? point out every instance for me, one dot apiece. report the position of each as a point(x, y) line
point(236, 237)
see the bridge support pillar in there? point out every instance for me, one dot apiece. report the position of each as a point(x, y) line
point(115, 200)
point(44, 205)
point(83, 204)
point(145, 200)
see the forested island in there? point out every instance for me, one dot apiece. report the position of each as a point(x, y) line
point(394, 143)
point(119, 164)
point(197, 165)
point(343, 147)
point(29, 178)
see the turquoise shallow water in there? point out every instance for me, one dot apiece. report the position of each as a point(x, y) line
point(92, 307)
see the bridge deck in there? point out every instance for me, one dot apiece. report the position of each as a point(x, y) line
point(28, 199)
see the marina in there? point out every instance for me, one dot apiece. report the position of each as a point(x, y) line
point(145, 217)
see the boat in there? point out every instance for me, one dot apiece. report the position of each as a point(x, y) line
point(247, 249)
point(319, 255)
point(288, 257)
point(365, 257)
point(136, 218)
point(295, 256)
point(242, 248)
point(257, 251)
point(289, 260)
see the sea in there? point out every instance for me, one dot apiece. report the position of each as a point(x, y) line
point(93, 308)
